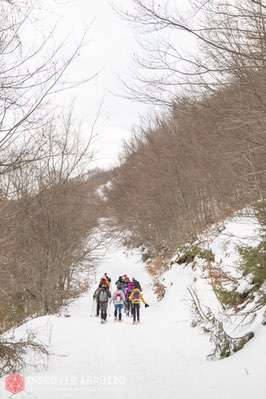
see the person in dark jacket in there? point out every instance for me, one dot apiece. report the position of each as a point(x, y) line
point(104, 282)
point(136, 283)
point(103, 296)
point(120, 282)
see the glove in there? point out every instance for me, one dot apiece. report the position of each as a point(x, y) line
point(146, 305)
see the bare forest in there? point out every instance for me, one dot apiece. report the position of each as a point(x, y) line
point(48, 202)
point(204, 157)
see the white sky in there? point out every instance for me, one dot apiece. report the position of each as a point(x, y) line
point(109, 52)
point(112, 42)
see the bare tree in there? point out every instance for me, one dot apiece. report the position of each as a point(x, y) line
point(224, 42)
point(43, 171)
point(28, 77)
point(49, 212)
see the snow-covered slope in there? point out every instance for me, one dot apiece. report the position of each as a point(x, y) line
point(161, 358)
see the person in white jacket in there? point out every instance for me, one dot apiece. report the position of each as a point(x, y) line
point(119, 302)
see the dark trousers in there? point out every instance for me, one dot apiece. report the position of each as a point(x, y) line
point(97, 308)
point(103, 310)
point(128, 307)
point(135, 311)
point(130, 304)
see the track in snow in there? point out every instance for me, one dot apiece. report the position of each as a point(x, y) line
point(161, 358)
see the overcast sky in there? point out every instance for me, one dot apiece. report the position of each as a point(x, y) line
point(109, 52)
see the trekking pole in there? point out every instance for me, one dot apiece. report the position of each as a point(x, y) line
point(92, 308)
point(109, 312)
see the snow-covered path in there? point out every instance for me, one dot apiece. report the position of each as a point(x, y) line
point(162, 358)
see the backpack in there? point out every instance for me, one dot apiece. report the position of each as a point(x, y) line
point(118, 297)
point(103, 296)
point(136, 296)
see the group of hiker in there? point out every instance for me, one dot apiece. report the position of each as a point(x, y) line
point(127, 296)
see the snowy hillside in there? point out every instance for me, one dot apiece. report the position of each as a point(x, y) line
point(163, 357)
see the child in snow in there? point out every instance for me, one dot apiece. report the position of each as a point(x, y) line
point(103, 296)
point(135, 297)
point(119, 301)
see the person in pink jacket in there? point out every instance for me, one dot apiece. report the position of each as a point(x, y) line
point(119, 301)
point(130, 287)
point(128, 291)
